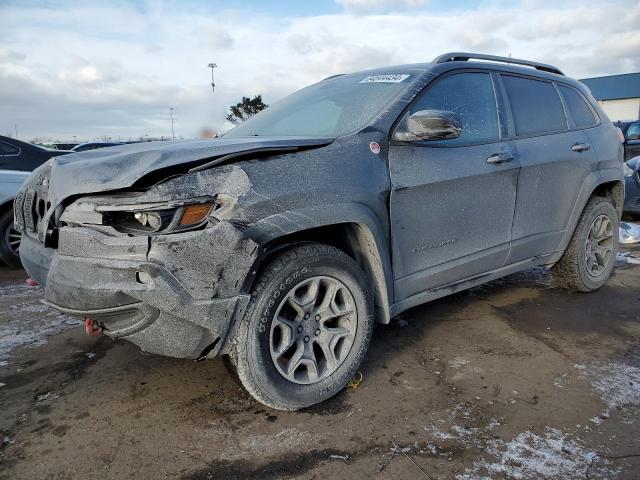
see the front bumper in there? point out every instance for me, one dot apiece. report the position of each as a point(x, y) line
point(632, 194)
point(175, 295)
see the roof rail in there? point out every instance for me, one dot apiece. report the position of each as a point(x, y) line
point(464, 56)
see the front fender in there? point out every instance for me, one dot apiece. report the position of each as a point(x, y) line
point(371, 235)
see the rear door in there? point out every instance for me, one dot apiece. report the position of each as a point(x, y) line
point(555, 158)
point(452, 201)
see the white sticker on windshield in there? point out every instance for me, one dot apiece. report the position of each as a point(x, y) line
point(388, 78)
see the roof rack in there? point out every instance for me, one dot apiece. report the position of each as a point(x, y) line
point(464, 56)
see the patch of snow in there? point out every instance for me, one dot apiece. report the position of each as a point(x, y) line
point(618, 384)
point(19, 332)
point(553, 455)
point(458, 362)
point(625, 257)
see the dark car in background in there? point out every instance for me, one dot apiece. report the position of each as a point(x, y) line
point(83, 147)
point(23, 156)
point(632, 187)
point(631, 132)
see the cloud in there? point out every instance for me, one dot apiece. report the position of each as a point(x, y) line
point(372, 6)
point(116, 70)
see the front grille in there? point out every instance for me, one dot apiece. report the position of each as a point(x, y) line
point(18, 216)
point(30, 207)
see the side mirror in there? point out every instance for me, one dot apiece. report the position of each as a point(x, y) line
point(429, 125)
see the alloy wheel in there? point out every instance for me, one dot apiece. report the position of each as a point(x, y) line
point(313, 330)
point(599, 245)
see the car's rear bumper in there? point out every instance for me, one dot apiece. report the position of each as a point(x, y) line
point(632, 194)
point(174, 295)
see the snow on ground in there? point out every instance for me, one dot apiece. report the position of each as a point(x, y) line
point(552, 455)
point(617, 384)
point(28, 323)
point(626, 257)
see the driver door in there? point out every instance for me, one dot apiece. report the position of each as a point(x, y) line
point(452, 201)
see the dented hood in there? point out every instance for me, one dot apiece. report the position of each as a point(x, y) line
point(121, 166)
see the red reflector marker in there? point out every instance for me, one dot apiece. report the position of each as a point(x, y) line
point(92, 328)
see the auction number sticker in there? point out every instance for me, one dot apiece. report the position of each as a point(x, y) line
point(388, 78)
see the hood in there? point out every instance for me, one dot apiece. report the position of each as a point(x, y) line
point(121, 166)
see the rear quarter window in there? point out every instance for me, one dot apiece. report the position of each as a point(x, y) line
point(580, 111)
point(535, 105)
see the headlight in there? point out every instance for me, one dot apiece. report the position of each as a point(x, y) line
point(142, 218)
point(161, 220)
point(627, 170)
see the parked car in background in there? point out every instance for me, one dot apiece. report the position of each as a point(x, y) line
point(64, 145)
point(83, 147)
point(631, 132)
point(10, 183)
point(348, 202)
point(632, 187)
point(23, 156)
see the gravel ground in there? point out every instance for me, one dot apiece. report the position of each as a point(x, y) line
point(514, 379)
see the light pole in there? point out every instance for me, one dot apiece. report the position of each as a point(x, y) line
point(173, 136)
point(213, 85)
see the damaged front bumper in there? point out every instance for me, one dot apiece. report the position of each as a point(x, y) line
point(175, 295)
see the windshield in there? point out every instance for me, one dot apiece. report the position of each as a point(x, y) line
point(331, 108)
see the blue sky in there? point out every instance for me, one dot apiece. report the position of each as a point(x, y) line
point(113, 68)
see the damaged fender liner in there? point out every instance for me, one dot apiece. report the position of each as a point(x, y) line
point(185, 302)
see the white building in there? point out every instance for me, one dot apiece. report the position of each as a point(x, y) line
point(619, 95)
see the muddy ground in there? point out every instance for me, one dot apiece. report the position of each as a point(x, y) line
point(515, 379)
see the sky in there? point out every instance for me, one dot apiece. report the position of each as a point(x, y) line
point(72, 69)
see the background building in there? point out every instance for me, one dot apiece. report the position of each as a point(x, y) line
point(619, 95)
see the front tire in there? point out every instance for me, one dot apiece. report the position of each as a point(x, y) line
point(306, 329)
point(590, 256)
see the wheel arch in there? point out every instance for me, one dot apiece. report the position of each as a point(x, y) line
point(360, 237)
point(605, 183)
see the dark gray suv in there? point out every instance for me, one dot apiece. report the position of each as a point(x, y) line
point(346, 203)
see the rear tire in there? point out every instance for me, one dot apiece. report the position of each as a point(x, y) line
point(306, 329)
point(9, 241)
point(590, 256)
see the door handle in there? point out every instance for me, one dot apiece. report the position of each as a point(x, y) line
point(580, 147)
point(498, 158)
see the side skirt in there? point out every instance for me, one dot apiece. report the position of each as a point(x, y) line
point(444, 290)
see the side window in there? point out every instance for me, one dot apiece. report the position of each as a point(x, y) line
point(535, 105)
point(580, 111)
point(7, 149)
point(633, 132)
point(472, 97)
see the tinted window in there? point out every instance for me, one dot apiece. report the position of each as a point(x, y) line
point(535, 104)
point(580, 111)
point(471, 96)
point(6, 149)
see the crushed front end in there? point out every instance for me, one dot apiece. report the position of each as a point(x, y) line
point(161, 266)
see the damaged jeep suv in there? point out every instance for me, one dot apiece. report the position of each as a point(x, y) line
point(281, 243)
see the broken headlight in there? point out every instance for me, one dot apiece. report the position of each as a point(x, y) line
point(143, 218)
point(158, 220)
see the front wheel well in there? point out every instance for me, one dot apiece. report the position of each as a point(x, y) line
point(354, 239)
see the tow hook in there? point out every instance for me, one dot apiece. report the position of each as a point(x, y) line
point(92, 327)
